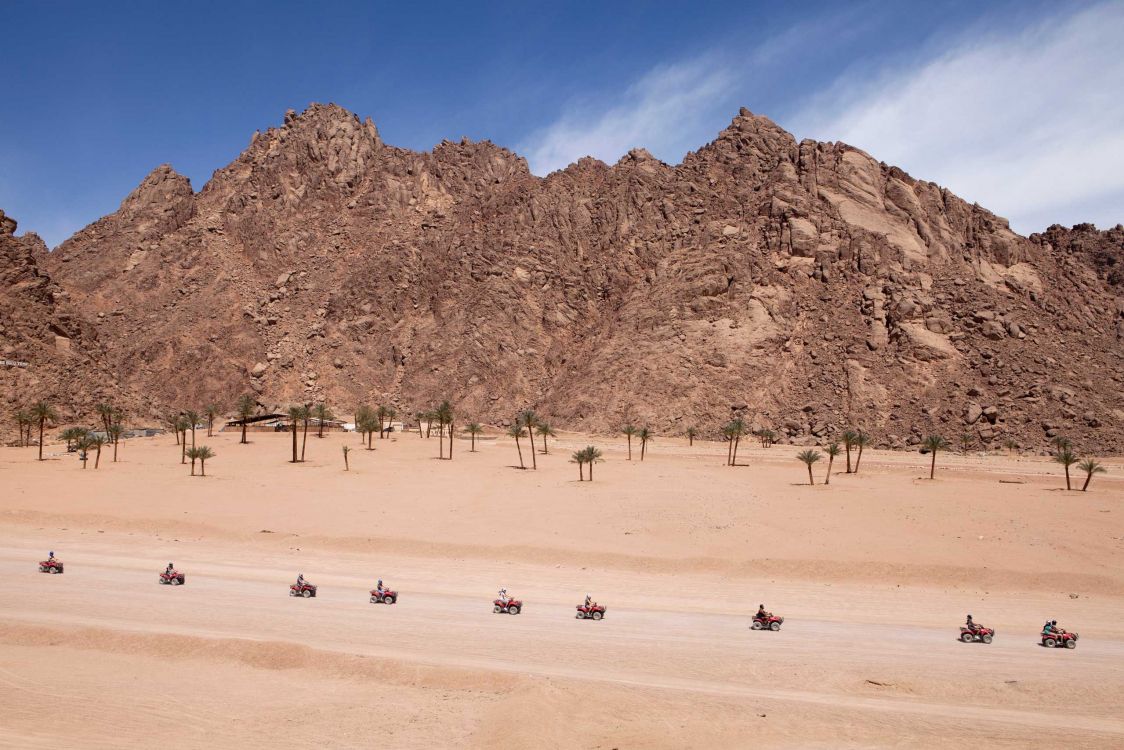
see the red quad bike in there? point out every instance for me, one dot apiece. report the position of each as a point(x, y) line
point(513, 607)
point(1060, 639)
point(50, 566)
point(772, 622)
point(302, 589)
point(979, 634)
point(175, 578)
point(386, 596)
point(593, 612)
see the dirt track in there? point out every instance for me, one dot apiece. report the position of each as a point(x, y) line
point(102, 656)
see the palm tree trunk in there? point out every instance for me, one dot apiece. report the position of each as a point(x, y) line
point(192, 435)
point(730, 451)
point(41, 421)
point(811, 479)
point(320, 428)
point(591, 471)
point(933, 465)
point(1088, 478)
point(1067, 478)
point(202, 468)
point(193, 467)
point(643, 448)
point(859, 458)
point(629, 447)
point(581, 471)
point(210, 426)
point(419, 429)
point(737, 442)
point(848, 449)
point(244, 430)
point(97, 458)
point(531, 437)
point(520, 449)
point(830, 461)
point(370, 441)
point(294, 442)
point(473, 443)
point(346, 465)
point(691, 441)
point(304, 439)
point(441, 442)
point(183, 448)
point(450, 441)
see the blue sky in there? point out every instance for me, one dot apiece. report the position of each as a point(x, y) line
point(1017, 106)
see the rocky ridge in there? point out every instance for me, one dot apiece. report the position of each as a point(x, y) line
point(803, 284)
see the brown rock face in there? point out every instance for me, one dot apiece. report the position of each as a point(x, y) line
point(806, 281)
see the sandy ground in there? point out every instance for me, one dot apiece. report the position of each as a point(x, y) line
point(874, 573)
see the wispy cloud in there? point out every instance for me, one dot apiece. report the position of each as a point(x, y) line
point(1028, 123)
point(662, 112)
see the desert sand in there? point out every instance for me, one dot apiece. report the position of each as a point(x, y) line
point(873, 573)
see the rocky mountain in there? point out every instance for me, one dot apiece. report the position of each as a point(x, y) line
point(48, 349)
point(803, 284)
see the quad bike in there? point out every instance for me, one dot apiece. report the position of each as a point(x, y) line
point(386, 596)
point(302, 589)
point(593, 612)
point(770, 622)
point(979, 634)
point(175, 578)
point(512, 607)
point(1059, 639)
point(50, 566)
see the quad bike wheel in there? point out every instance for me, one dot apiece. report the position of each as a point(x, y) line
point(986, 639)
point(388, 600)
point(597, 615)
point(1071, 643)
point(176, 582)
point(966, 637)
point(306, 593)
point(579, 616)
point(1050, 643)
point(496, 609)
point(513, 610)
point(756, 625)
point(774, 626)
point(54, 571)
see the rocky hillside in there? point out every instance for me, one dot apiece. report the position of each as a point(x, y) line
point(47, 348)
point(803, 284)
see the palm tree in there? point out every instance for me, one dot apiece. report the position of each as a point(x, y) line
point(193, 453)
point(366, 422)
point(419, 415)
point(734, 431)
point(966, 442)
point(72, 435)
point(832, 450)
point(1066, 457)
point(1060, 442)
point(862, 440)
point(346, 466)
point(295, 414)
point(579, 458)
point(181, 429)
point(203, 453)
point(545, 431)
point(115, 433)
point(809, 457)
point(444, 413)
point(1090, 467)
point(1011, 445)
point(42, 412)
point(645, 434)
point(84, 445)
point(933, 444)
point(22, 420)
point(516, 431)
point(380, 415)
point(592, 456)
point(530, 421)
point(105, 412)
point(173, 424)
point(323, 414)
point(691, 434)
point(728, 434)
point(247, 405)
point(306, 414)
point(96, 442)
point(211, 411)
point(473, 430)
point(193, 418)
point(849, 437)
point(768, 438)
point(629, 430)
point(391, 415)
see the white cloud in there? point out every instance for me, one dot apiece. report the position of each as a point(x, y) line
point(1030, 123)
point(663, 112)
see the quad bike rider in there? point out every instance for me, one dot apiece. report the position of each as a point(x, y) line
point(1053, 636)
point(380, 594)
point(51, 564)
point(590, 610)
point(766, 620)
point(972, 631)
point(506, 604)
